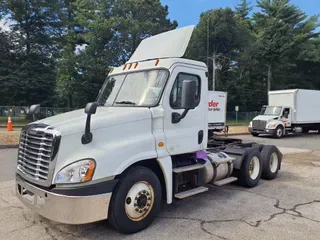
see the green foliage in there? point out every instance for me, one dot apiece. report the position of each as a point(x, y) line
point(58, 52)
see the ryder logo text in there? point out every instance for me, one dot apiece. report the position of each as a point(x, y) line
point(213, 106)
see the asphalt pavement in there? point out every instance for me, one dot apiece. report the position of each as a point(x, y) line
point(303, 141)
point(287, 207)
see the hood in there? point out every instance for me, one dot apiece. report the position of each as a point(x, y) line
point(74, 121)
point(265, 117)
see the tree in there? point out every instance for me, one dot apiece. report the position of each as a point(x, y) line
point(224, 42)
point(35, 31)
point(7, 69)
point(281, 28)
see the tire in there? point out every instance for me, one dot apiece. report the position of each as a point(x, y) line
point(305, 130)
point(255, 134)
point(279, 132)
point(271, 160)
point(136, 200)
point(247, 177)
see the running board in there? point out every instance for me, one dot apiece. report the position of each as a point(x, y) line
point(225, 181)
point(187, 168)
point(190, 192)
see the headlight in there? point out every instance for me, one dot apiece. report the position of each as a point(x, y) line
point(81, 171)
point(272, 125)
point(250, 124)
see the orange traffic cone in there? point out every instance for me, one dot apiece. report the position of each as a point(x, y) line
point(9, 126)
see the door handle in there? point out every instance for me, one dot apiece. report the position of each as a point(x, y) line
point(200, 136)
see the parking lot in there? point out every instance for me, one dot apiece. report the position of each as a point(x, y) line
point(285, 208)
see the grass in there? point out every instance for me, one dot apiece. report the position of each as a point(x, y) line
point(16, 121)
point(238, 123)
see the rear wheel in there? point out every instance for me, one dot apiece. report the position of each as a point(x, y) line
point(255, 134)
point(250, 171)
point(279, 132)
point(136, 200)
point(271, 160)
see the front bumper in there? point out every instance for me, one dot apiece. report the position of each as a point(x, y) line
point(63, 208)
point(265, 131)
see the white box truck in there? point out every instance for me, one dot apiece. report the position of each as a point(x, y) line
point(289, 111)
point(217, 111)
point(144, 141)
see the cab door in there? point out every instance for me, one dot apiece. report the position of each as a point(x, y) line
point(190, 134)
point(286, 116)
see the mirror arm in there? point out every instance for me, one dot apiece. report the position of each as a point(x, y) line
point(87, 136)
point(176, 117)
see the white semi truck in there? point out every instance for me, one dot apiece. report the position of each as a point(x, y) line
point(144, 141)
point(289, 111)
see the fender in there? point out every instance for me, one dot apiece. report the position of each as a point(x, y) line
point(166, 167)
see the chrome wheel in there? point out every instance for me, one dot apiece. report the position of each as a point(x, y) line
point(274, 161)
point(279, 132)
point(254, 168)
point(139, 201)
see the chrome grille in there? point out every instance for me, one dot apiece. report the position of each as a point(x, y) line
point(259, 124)
point(37, 150)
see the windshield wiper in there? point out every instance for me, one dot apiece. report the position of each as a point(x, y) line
point(126, 102)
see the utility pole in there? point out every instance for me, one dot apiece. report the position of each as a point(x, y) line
point(214, 72)
point(208, 42)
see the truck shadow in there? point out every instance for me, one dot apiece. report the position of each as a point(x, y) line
point(290, 136)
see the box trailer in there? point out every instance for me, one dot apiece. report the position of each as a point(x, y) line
point(288, 111)
point(217, 111)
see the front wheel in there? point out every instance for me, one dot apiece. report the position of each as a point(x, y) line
point(136, 200)
point(279, 132)
point(255, 134)
point(250, 171)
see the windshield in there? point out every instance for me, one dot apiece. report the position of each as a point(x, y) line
point(275, 111)
point(133, 89)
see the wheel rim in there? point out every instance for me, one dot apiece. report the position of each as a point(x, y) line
point(254, 168)
point(139, 201)
point(279, 132)
point(274, 162)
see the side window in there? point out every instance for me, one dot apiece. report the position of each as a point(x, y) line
point(175, 96)
point(286, 112)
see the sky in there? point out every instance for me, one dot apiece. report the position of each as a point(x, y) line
point(187, 12)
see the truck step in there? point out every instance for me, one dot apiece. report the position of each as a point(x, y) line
point(188, 168)
point(191, 192)
point(225, 181)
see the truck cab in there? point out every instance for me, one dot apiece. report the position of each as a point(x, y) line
point(273, 120)
point(143, 141)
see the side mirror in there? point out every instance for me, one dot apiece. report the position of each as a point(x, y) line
point(34, 110)
point(188, 96)
point(90, 109)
